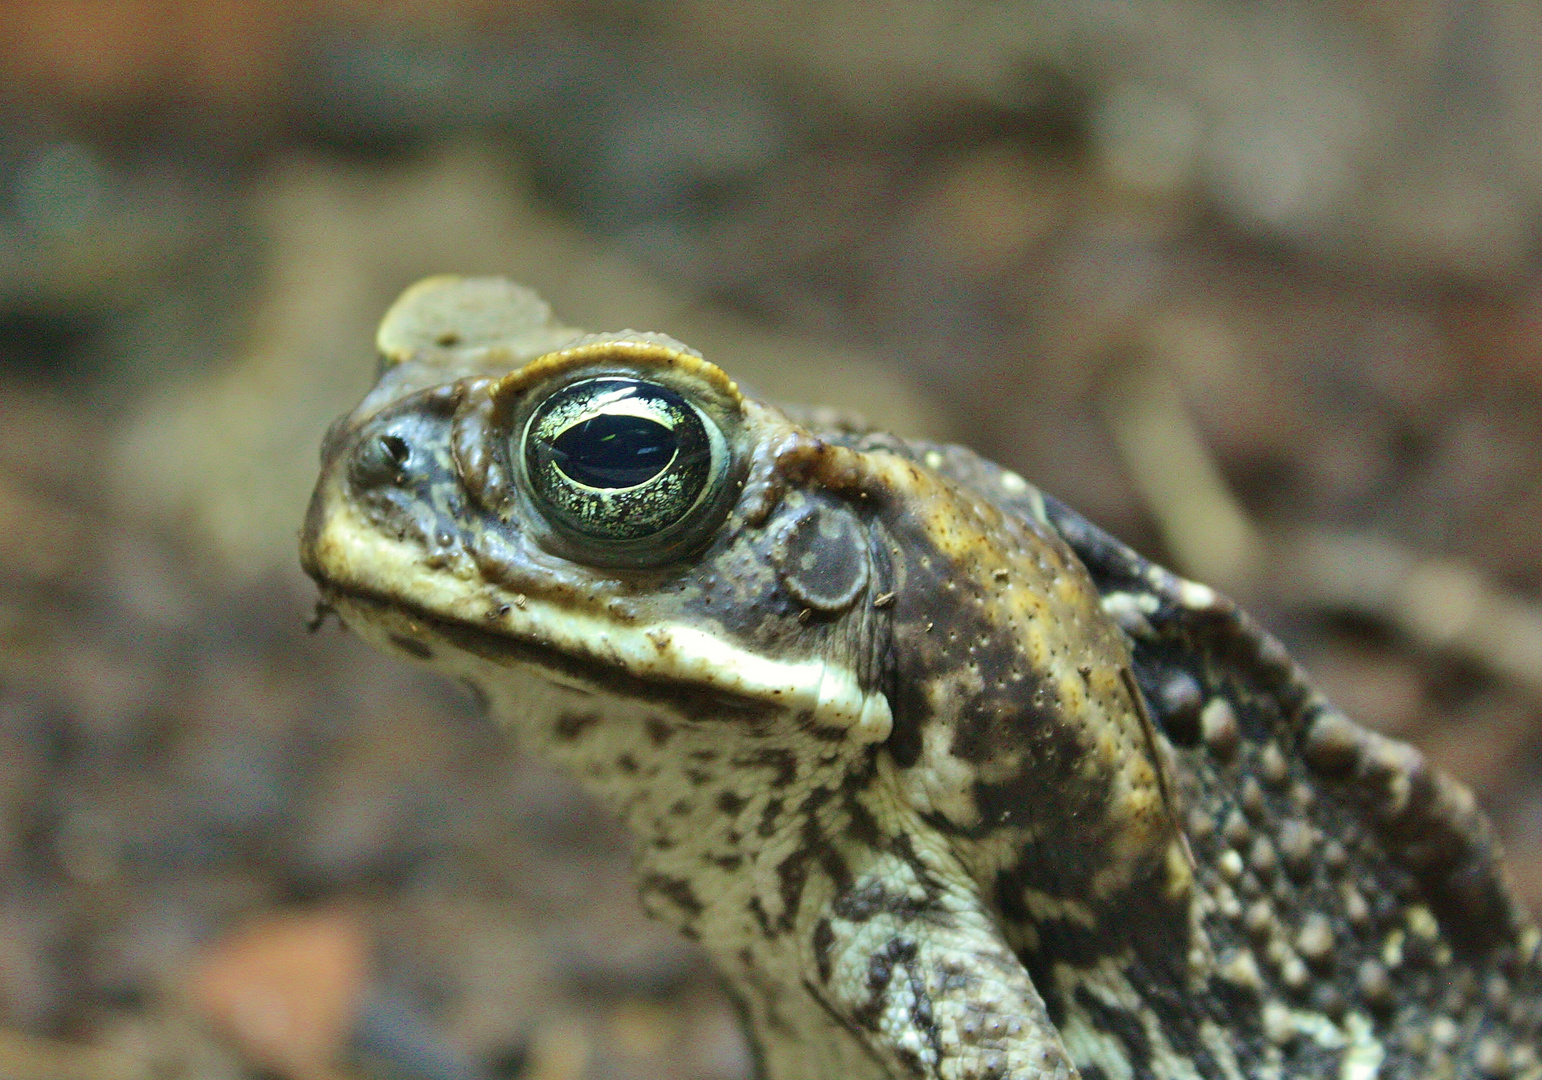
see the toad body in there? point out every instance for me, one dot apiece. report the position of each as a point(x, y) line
point(947, 782)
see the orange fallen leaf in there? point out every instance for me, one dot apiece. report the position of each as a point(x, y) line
point(286, 989)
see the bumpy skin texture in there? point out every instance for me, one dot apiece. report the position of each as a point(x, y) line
point(949, 783)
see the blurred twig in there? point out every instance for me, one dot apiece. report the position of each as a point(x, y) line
point(1439, 604)
point(1204, 527)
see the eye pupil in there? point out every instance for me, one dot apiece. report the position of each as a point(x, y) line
point(610, 451)
point(625, 468)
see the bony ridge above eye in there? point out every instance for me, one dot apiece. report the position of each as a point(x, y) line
point(617, 461)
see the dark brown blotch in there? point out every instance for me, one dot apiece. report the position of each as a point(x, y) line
point(989, 723)
point(762, 920)
point(1125, 1028)
point(570, 725)
point(871, 898)
point(824, 939)
point(1048, 790)
point(658, 731)
point(793, 871)
point(412, 647)
point(677, 891)
point(782, 761)
point(770, 817)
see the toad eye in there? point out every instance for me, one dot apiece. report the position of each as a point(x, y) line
point(617, 460)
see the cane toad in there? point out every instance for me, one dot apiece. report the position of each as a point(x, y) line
point(948, 782)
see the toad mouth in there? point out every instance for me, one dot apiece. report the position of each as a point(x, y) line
point(413, 624)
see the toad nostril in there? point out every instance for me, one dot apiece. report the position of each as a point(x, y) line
point(380, 460)
point(395, 447)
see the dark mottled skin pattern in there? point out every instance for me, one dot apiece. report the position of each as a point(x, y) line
point(949, 783)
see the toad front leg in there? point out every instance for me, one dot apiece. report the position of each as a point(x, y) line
point(924, 980)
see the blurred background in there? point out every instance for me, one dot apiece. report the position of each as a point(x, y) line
point(1256, 287)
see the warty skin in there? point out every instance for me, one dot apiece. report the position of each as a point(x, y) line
point(947, 782)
